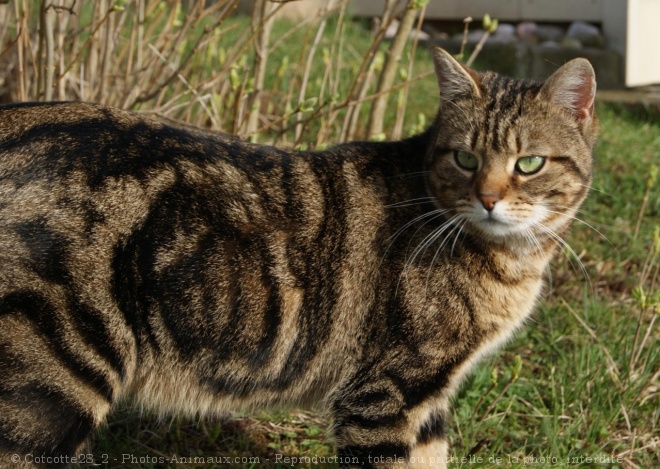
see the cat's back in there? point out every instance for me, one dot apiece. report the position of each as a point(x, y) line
point(40, 124)
point(71, 154)
point(69, 136)
point(34, 119)
point(18, 118)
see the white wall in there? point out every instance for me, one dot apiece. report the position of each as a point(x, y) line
point(642, 42)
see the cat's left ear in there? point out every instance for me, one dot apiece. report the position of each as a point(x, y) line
point(573, 87)
point(454, 79)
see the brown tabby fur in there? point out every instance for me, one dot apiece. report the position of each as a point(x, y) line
point(195, 273)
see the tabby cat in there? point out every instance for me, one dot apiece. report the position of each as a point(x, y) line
point(194, 273)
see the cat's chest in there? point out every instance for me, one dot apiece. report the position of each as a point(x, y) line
point(501, 315)
point(464, 313)
point(466, 304)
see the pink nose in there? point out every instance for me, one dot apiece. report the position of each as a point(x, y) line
point(488, 200)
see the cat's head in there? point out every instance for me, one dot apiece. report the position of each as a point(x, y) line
point(512, 158)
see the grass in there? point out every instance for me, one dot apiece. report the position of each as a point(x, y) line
point(580, 381)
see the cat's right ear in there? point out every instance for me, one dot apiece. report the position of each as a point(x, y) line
point(573, 88)
point(454, 79)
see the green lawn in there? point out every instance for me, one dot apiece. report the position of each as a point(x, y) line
point(580, 381)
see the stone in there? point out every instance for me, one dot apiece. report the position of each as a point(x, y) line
point(476, 35)
point(550, 44)
point(588, 34)
point(571, 43)
point(504, 33)
point(434, 32)
point(505, 29)
point(547, 32)
point(391, 31)
point(527, 31)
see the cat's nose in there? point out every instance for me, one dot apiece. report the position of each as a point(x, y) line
point(488, 200)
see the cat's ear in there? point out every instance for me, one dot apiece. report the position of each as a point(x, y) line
point(573, 87)
point(454, 79)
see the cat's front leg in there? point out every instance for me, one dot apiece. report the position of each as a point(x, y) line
point(377, 427)
point(386, 448)
point(431, 454)
point(431, 448)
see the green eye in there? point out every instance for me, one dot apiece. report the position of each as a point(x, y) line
point(529, 164)
point(466, 160)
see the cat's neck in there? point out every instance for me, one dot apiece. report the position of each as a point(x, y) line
point(514, 258)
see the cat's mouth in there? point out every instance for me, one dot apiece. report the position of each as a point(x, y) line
point(497, 226)
point(490, 221)
point(494, 219)
point(493, 225)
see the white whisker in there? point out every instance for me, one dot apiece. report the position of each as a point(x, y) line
point(428, 240)
point(457, 227)
point(409, 202)
point(433, 214)
point(592, 188)
point(531, 237)
point(579, 220)
point(528, 234)
point(431, 238)
point(410, 175)
point(462, 224)
point(448, 237)
point(562, 243)
point(415, 220)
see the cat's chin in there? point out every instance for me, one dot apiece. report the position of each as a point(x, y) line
point(504, 233)
point(496, 225)
point(496, 231)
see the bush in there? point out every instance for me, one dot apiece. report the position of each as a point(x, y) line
point(201, 63)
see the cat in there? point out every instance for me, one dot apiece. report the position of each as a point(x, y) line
point(195, 273)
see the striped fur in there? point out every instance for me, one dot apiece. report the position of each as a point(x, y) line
point(195, 273)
